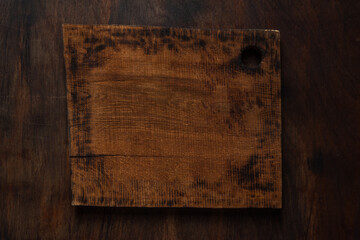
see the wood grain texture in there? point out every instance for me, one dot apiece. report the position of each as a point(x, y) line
point(166, 117)
point(320, 129)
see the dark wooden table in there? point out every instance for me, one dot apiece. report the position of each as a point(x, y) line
point(320, 50)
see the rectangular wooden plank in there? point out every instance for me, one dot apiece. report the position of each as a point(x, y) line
point(163, 117)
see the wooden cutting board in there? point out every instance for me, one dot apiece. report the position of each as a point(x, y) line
point(169, 117)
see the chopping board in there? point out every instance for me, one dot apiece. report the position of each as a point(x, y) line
point(171, 117)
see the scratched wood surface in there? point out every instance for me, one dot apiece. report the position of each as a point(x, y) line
point(164, 117)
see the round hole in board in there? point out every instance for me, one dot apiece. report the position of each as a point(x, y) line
point(251, 57)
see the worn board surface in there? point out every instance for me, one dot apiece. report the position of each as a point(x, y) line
point(163, 117)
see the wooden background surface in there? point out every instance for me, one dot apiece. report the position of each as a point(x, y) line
point(320, 46)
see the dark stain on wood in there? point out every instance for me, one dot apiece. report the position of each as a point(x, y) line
point(247, 173)
point(91, 40)
point(201, 44)
point(99, 48)
point(259, 103)
point(73, 63)
point(265, 187)
point(171, 46)
point(199, 183)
